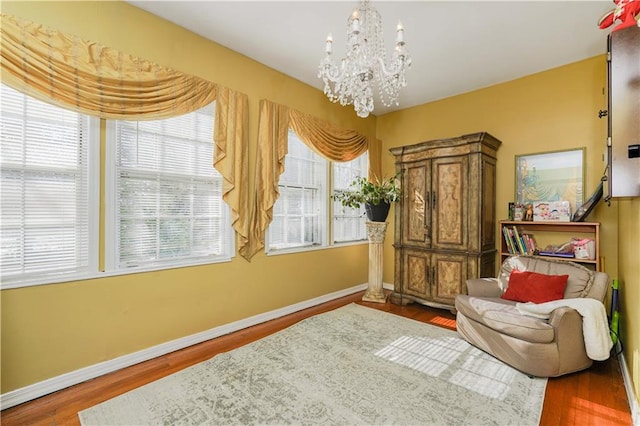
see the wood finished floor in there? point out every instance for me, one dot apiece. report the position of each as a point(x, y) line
point(593, 397)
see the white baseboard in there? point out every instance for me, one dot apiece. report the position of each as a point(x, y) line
point(631, 395)
point(63, 381)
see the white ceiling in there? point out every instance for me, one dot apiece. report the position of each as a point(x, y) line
point(456, 46)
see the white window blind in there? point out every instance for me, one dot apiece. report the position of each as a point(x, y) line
point(47, 198)
point(299, 215)
point(168, 207)
point(348, 223)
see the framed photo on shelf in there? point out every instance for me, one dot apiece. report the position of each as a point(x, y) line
point(551, 176)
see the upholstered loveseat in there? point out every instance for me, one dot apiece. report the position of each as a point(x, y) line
point(536, 346)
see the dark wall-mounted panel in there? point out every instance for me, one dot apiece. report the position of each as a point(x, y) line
point(624, 82)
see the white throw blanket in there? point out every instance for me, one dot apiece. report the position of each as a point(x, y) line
point(595, 327)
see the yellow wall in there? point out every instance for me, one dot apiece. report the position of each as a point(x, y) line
point(629, 266)
point(53, 329)
point(548, 111)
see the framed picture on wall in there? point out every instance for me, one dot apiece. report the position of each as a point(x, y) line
point(551, 176)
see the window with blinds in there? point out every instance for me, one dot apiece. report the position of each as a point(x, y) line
point(299, 215)
point(49, 191)
point(300, 218)
point(167, 196)
point(348, 223)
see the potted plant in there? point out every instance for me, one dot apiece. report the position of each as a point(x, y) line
point(376, 196)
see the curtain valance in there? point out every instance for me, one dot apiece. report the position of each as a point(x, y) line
point(333, 142)
point(93, 79)
point(87, 77)
point(330, 141)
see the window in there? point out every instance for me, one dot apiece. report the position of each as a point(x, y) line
point(300, 218)
point(166, 195)
point(49, 197)
point(348, 223)
point(299, 215)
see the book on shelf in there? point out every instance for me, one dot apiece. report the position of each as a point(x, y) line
point(555, 254)
point(507, 239)
point(518, 242)
point(530, 243)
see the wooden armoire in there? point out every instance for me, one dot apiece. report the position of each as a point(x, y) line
point(445, 223)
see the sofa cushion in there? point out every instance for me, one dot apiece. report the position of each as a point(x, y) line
point(580, 278)
point(533, 287)
point(502, 316)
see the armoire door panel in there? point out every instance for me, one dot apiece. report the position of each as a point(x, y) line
point(449, 202)
point(417, 204)
point(417, 274)
point(450, 273)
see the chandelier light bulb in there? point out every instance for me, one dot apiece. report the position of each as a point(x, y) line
point(400, 33)
point(327, 48)
point(355, 21)
point(364, 70)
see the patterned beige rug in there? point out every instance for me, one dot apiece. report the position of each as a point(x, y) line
point(354, 365)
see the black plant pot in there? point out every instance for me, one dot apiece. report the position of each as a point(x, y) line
point(377, 213)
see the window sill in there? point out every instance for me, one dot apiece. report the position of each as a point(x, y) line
point(278, 252)
point(65, 278)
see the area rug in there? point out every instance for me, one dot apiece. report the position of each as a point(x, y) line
point(354, 365)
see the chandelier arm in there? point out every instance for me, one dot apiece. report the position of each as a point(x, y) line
point(332, 72)
point(393, 71)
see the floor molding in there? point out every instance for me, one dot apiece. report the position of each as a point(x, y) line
point(66, 380)
point(631, 396)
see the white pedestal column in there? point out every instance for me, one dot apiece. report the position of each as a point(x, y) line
point(375, 293)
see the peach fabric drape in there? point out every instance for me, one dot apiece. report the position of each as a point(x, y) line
point(97, 80)
point(93, 79)
point(273, 130)
point(328, 140)
point(231, 136)
point(333, 142)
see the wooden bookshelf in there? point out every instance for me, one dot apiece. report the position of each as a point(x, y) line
point(555, 233)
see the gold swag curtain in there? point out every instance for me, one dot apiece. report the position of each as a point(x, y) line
point(93, 79)
point(97, 80)
point(231, 137)
point(333, 142)
point(273, 130)
point(330, 141)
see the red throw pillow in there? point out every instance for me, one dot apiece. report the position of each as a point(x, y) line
point(533, 287)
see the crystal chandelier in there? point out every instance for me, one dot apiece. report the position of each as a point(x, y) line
point(351, 81)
